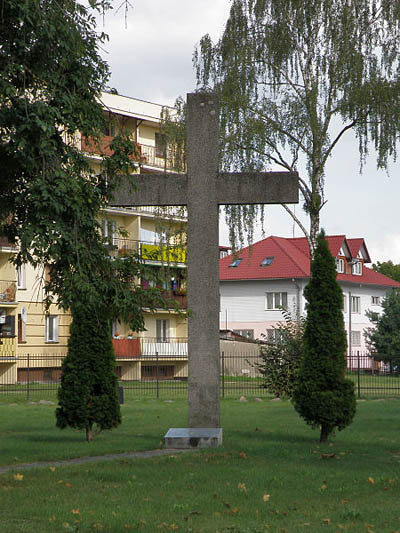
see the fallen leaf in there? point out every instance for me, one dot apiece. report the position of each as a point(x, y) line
point(326, 521)
point(52, 518)
point(323, 486)
point(68, 485)
point(173, 527)
point(76, 511)
point(328, 455)
point(266, 497)
point(242, 487)
point(371, 480)
point(217, 513)
point(52, 469)
point(345, 501)
point(243, 455)
point(18, 477)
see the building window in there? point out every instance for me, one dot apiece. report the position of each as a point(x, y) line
point(355, 304)
point(109, 231)
point(356, 338)
point(340, 266)
point(162, 330)
point(375, 300)
point(21, 329)
point(248, 333)
point(356, 268)
point(267, 261)
point(275, 300)
point(21, 277)
point(51, 328)
point(273, 335)
point(160, 145)
point(235, 263)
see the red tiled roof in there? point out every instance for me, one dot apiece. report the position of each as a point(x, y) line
point(355, 246)
point(290, 260)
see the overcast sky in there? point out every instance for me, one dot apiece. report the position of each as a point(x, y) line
point(151, 59)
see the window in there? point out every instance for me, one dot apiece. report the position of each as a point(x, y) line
point(109, 231)
point(162, 330)
point(273, 335)
point(51, 328)
point(21, 329)
point(355, 304)
point(355, 338)
point(235, 263)
point(248, 333)
point(21, 277)
point(160, 145)
point(267, 261)
point(275, 300)
point(340, 266)
point(375, 300)
point(356, 268)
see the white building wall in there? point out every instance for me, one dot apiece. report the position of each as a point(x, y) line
point(243, 306)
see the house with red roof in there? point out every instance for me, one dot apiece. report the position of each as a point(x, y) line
point(272, 273)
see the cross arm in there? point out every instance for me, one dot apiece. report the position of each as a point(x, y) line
point(151, 189)
point(258, 188)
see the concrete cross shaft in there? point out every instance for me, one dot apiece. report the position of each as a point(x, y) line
point(202, 189)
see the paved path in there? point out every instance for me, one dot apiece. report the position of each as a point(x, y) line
point(92, 459)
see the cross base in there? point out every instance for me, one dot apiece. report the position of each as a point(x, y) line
point(192, 438)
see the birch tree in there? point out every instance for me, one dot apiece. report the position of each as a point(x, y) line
point(296, 77)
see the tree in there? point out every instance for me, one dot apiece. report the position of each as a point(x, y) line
point(281, 356)
point(51, 75)
point(88, 394)
point(388, 268)
point(383, 339)
point(294, 77)
point(323, 397)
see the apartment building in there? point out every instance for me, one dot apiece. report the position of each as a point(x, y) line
point(155, 235)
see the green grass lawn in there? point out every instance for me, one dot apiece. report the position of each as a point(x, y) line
point(270, 475)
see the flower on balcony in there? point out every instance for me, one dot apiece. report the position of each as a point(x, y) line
point(180, 291)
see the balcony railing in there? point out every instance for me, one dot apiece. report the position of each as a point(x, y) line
point(150, 347)
point(8, 291)
point(158, 158)
point(148, 251)
point(102, 146)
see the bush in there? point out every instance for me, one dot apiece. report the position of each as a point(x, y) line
point(281, 356)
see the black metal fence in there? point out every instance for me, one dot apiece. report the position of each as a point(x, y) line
point(165, 376)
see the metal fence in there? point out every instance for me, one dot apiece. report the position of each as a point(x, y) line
point(165, 374)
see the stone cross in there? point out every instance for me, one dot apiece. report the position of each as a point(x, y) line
point(202, 189)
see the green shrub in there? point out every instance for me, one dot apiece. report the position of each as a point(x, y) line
point(323, 397)
point(281, 356)
point(88, 394)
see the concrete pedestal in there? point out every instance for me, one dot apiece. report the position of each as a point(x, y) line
point(191, 438)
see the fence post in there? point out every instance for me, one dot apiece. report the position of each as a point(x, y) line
point(358, 374)
point(27, 380)
point(157, 383)
point(223, 373)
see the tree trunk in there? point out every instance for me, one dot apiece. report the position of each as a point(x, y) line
point(325, 432)
point(89, 432)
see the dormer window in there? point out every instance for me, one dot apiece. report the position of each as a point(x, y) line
point(356, 268)
point(267, 261)
point(341, 252)
point(235, 263)
point(340, 266)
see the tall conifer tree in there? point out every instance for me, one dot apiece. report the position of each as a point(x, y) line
point(323, 397)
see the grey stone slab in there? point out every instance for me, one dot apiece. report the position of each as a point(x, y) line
point(189, 438)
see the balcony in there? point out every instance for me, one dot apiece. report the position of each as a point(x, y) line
point(6, 245)
point(8, 291)
point(101, 147)
point(119, 247)
point(150, 348)
point(153, 156)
